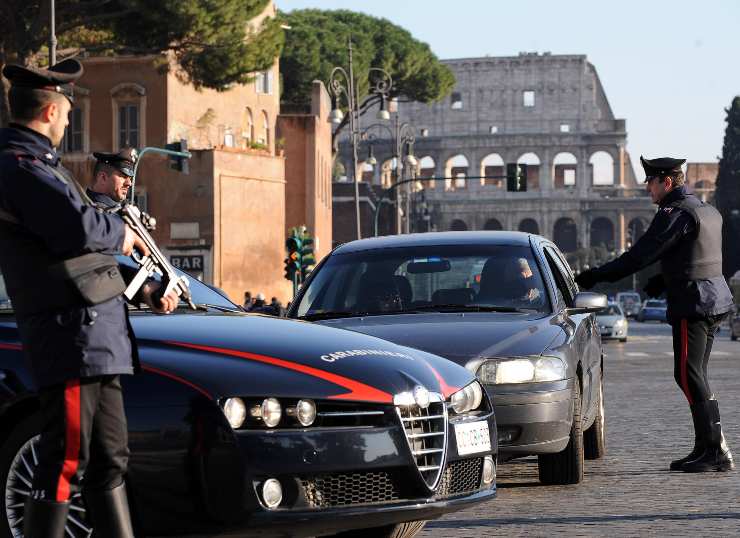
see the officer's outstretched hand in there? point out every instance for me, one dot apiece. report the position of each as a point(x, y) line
point(165, 305)
point(587, 279)
point(132, 241)
point(655, 286)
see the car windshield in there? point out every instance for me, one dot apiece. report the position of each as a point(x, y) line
point(655, 304)
point(611, 310)
point(201, 293)
point(629, 298)
point(418, 279)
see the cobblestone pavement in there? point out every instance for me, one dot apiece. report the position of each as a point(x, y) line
point(630, 492)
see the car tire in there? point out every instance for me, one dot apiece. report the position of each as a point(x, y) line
point(24, 432)
point(566, 466)
point(594, 438)
point(399, 530)
point(733, 337)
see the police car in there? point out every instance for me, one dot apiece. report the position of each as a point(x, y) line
point(242, 423)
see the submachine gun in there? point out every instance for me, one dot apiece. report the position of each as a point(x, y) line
point(156, 262)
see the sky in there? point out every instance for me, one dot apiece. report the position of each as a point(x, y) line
point(670, 68)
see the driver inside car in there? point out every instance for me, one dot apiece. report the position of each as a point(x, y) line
point(509, 282)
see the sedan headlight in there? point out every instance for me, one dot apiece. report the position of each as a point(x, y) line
point(468, 398)
point(521, 370)
point(235, 412)
point(619, 322)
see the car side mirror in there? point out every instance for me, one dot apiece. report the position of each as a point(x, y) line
point(587, 302)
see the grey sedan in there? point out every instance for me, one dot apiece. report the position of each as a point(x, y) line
point(504, 305)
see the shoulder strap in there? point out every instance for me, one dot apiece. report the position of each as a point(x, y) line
point(69, 179)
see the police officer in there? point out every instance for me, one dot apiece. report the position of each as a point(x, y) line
point(112, 178)
point(686, 237)
point(77, 346)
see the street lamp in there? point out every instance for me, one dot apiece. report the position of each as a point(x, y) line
point(342, 83)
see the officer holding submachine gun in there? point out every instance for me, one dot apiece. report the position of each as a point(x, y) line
point(66, 289)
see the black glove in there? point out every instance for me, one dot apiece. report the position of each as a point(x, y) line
point(655, 286)
point(588, 279)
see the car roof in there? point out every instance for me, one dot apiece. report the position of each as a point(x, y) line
point(437, 239)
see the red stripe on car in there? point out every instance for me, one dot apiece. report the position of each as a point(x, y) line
point(447, 390)
point(71, 438)
point(14, 347)
point(685, 360)
point(357, 390)
point(177, 378)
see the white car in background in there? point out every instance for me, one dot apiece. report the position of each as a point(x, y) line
point(630, 301)
point(612, 322)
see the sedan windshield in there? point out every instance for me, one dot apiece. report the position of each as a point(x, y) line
point(423, 279)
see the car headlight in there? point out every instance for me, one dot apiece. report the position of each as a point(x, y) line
point(619, 323)
point(521, 370)
point(235, 412)
point(468, 398)
point(269, 411)
point(305, 412)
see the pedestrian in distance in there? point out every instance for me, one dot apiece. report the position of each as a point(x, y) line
point(71, 319)
point(112, 178)
point(686, 237)
point(248, 301)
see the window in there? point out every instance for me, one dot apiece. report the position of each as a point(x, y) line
point(493, 129)
point(73, 136)
point(528, 98)
point(229, 138)
point(564, 128)
point(264, 137)
point(128, 125)
point(456, 102)
point(569, 177)
point(263, 82)
point(561, 290)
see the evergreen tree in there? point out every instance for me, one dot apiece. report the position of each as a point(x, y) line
point(214, 41)
point(727, 194)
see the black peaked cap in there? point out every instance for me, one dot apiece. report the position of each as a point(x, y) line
point(662, 166)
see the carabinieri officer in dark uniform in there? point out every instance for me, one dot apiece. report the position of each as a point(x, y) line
point(71, 320)
point(112, 178)
point(686, 237)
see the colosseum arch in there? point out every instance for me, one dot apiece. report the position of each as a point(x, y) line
point(533, 169)
point(493, 165)
point(458, 225)
point(602, 233)
point(427, 168)
point(565, 234)
point(493, 224)
point(601, 165)
point(529, 226)
point(456, 167)
point(564, 170)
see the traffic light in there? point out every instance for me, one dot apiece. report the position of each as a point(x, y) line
point(516, 177)
point(181, 164)
point(307, 258)
point(293, 261)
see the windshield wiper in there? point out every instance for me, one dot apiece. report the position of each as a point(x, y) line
point(465, 308)
point(335, 315)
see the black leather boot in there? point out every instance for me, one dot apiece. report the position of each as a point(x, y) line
point(109, 512)
point(716, 455)
point(699, 442)
point(44, 519)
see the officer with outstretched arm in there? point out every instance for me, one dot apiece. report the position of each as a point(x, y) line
point(65, 286)
point(686, 237)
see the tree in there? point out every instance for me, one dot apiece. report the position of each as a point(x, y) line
point(317, 42)
point(727, 194)
point(212, 42)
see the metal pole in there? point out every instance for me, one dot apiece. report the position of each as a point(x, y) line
point(398, 177)
point(354, 134)
point(52, 34)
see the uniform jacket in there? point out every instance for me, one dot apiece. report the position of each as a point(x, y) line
point(682, 237)
point(62, 337)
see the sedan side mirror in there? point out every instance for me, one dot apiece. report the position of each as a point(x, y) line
point(587, 302)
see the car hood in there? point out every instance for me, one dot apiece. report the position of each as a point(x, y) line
point(607, 320)
point(252, 355)
point(461, 336)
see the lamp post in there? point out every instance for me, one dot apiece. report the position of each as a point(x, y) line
point(342, 83)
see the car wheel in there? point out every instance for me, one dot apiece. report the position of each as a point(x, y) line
point(566, 467)
point(594, 438)
point(399, 530)
point(733, 337)
point(18, 461)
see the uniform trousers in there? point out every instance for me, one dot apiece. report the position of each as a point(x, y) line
point(692, 345)
point(84, 434)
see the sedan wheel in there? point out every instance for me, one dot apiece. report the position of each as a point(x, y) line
point(566, 467)
point(18, 463)
point(594, 438)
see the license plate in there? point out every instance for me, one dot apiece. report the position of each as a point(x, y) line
point(472, 437)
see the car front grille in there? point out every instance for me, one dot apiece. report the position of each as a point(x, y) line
point(461, 476)
point(426, 433)
point(341, 489)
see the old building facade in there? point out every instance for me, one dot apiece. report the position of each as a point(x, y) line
point(548, 111)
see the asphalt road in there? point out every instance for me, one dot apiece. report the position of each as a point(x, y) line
point(630, 492)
